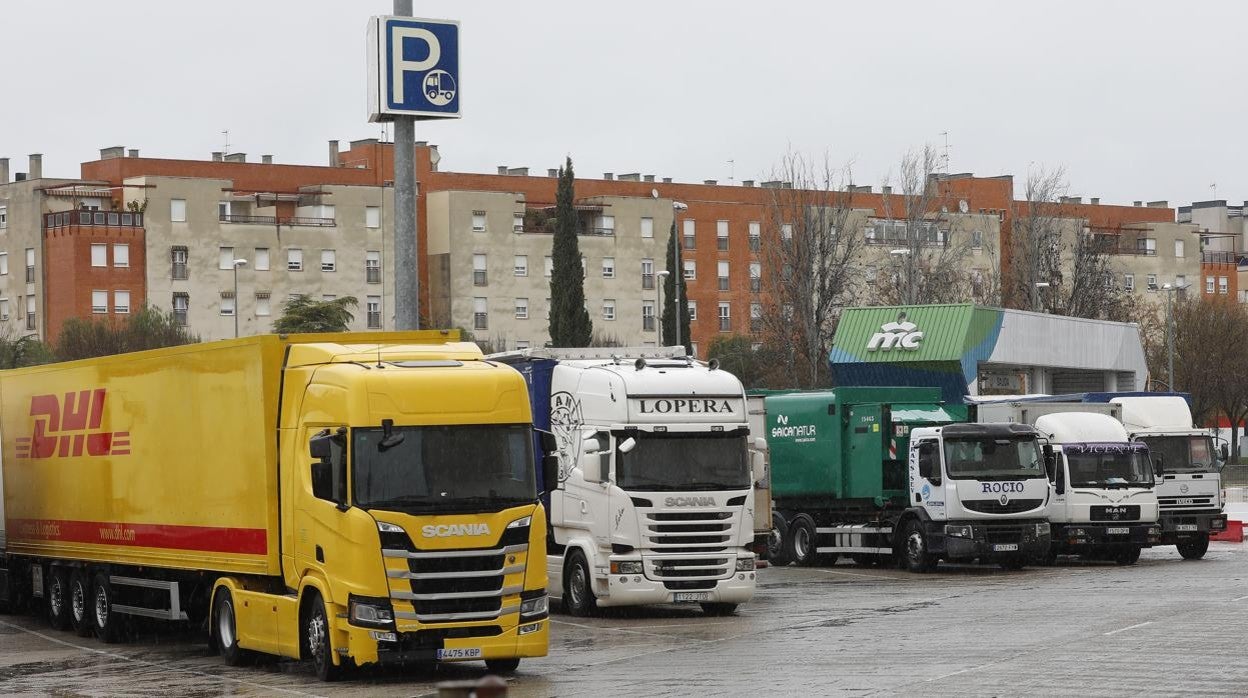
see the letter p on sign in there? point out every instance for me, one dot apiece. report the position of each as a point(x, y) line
point(413, 68)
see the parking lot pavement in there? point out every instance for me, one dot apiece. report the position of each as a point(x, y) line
point(1163, 626)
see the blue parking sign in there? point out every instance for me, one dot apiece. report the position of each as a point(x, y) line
point(413, 68)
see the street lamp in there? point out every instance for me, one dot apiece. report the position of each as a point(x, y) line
point(237, 263)
point(1169, 290)
point(659, 294)
point(678, 207)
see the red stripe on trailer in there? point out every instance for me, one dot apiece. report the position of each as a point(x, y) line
point(244, 541)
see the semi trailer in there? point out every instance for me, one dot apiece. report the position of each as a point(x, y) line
point(348, 499)
point(653, 501)
point(895, 474)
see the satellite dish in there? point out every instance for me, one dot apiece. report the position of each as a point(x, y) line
point(654, 193)
point(962, 206)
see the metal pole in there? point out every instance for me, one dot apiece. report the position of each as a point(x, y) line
point(406, 254)
point(236, 303)
point(1169, 345)
point(678, 275)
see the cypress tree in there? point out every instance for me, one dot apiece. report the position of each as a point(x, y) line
point(569, 321)
point(675, 279)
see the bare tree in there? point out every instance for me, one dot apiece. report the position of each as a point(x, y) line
point(809, 256)
point(928, 252)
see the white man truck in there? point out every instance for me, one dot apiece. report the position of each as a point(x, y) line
point(1102, 503)
point(655, 500)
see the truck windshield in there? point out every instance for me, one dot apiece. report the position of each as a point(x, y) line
point(1108, 465)
point(456, 467)
point(1182, 454)
point(671, 461)
point(993, 459)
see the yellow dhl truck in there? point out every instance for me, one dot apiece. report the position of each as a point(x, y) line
point(346, 499)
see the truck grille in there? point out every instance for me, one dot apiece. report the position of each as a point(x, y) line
point(993, 506)
point(456, 585)
point(1185, 502)
point(689, 546)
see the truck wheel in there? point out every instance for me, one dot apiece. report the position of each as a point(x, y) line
point(107, 623)
point(578, 592)
point(776, 553)
point(316, 640)
point(914, 548)
point(57, 594)
point(800, 541)
point(719, 609)
point(502, 666)
point(224, 629)
point(80, 604)
point(1194, 548)
point(1128, 556)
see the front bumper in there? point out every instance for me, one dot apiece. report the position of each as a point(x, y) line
point(994, 540)
point(423, 646)
point(638, 589)
point(1178, 526)
point(1098, 535)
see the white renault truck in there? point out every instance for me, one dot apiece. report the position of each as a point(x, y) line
point(655, 501)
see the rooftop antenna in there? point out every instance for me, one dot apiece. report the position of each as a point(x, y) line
point(226, 149)
point(945, 156)
point(1214, 187)
point(732, 170)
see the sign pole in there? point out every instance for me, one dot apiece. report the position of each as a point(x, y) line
point(406, 254)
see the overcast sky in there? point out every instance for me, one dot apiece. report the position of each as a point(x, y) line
point(1137, 100)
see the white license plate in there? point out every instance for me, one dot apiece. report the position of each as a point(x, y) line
point(1117, 531)
point(460, 653)
point(1004, 547)
point(1185, 527)
point(690, 596)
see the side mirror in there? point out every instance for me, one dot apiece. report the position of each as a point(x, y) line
point(550, 472)
point(929, 465)
point(1059, 477)
point(627, 445)
point(318, 446)
point(1225, 452)
point(589, 446)
point(758, 466)
point(323, 479)
point(1050, 462)
point(760, 444)
point(549, 443)
point(1159, 465)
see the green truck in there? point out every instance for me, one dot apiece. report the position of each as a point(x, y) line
point(894, 474)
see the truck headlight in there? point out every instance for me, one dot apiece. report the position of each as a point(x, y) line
point(1042, 530)
point(1078, 532)
point(959, 531)
point(521, 522)
point(745, 564)
point(374, 612)
point(627, 567)
point(389, 527)
point(536, 606)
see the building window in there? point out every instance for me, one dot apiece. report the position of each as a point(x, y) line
point(721, 235)
point(756, 277)
point(121, 255)
point(99, 301)
point(31, 323)
point(480, 314)
point(226, 260)
point(30, 265)
point(372, 216)
point(177, 210)
point(871, 274)
point(756, 317)
point(690, 228)
point(4, 308)
point(329, 260)
point(606, 225)
point(1223, 286)
point(755, 235)
point(4, 221)
point(608, 267)
point(647, 316)
point(521, 265)
point(691, 269)
point(263, 306)
point(522, 308)
point(4, 263)
point(372, 267)
point(478, 270)
point(647, 273)
point(1128, 282)
point(725, 317)
point(522, 344)
point(722, 273)
point(977, 238)
point(262, 259)
point(373, 307)
point(121, 302)
point(550, 265)
point(584, 268)
point(294, 259)
point(1147, 246)
point(517, 222)
point(1151, 282)
point(227, 302)
point(99, 255)
point(786, 231)
point(647, 227)
point(693, 310)
point(608, 309)
point(478, 221)
point(1208, 283)
point(1178, 248)
point(177, 259)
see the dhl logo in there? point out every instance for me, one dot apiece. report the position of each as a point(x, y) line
point(71, 428)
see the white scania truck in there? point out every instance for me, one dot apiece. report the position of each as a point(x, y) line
point(655, 500)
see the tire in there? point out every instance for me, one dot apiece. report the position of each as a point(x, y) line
point(1128, 556)
point(776, 552)
point(1194, 548)
point(106, 622)
point(914, 549)
point(317, 645)
point(578, 587)
point(502, 666)
point(80, 604)
point(1016, 562)
point(56, 595)
point(799, 542)
point(719, 609)
point(224, 629)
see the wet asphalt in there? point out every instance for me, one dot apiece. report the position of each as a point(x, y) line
point(1163, 627)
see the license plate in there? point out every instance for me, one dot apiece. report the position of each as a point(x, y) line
point(459, 653)
point(1185, 527)
point(690, 596)
point(1004, 547)
point(1117, 531)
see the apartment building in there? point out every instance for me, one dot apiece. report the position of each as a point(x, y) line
point(1222, 246)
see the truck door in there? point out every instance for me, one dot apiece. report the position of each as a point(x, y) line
point(927, 477)
point(319, 537)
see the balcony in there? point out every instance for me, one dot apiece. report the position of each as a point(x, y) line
point(1229, 258)
point(126, 219)
point(306, 221)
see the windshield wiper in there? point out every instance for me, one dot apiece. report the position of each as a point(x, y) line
point(713, 486)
